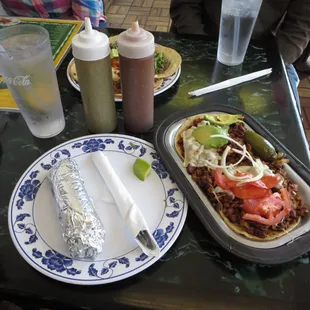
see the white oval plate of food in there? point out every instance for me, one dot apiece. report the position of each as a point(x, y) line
point(165, 84)
point(167, 65)
point(35, 228)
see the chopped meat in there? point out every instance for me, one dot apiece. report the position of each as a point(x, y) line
point(180, 144)
point(197, 121)
point(162, 70)
point(280, 170)
point(256, 229)
point(237, 132)
point(231, 207)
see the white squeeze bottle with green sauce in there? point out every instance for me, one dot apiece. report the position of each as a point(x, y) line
point(91, 51)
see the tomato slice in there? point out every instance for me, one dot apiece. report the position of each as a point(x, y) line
point(286, 199)
point(250, 206)
point(272, 204)
point(222, 181)
point(271, 180)
point(249, 191)
point(266, 221)
point(274, 208)
point(258, 183)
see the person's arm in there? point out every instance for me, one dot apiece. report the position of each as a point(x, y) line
point(89, 8)
point(294, 32)
point(187, 16)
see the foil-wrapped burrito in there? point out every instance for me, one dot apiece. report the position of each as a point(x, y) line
point(81, 227)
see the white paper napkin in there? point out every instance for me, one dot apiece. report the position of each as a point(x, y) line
point(230, 82)
point(129, 210)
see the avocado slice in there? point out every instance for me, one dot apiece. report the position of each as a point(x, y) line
point(203, 135)
point(223, 119)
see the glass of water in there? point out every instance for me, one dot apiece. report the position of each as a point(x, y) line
point(238, 18)
point(26, 64)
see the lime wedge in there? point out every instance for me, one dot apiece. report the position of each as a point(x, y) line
point(141, 169)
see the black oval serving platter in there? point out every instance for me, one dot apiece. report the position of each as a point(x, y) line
point(275, 255)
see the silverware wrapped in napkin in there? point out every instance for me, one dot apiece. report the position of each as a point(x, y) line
point(130, 212)
point(81, 227)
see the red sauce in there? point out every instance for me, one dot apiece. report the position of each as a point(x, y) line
point(137, 79)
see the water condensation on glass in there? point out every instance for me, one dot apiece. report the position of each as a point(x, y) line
point(241, 8)
point(21, 42)
point(81, 227)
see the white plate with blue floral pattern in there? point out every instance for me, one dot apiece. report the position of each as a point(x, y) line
point(167, 83)
point(35, 229)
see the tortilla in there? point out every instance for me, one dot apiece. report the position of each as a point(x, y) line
point(271, 236)
point(186, 125)
point(235, 227)
point(157, 83)
point(73, 73)
point(172, 57)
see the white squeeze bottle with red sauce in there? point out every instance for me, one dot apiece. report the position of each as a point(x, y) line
point(136, 50)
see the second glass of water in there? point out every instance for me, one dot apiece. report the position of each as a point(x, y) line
point(238, 18)
point(27, 67)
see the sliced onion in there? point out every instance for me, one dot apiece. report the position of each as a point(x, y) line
point(257, 177)
point(256, 164)
point(225, 170)
point(208, 163)
point(238, 144)
point(242, 157)
point(229, 166)
point(246, 155)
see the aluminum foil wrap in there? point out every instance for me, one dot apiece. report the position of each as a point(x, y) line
point(81, 227)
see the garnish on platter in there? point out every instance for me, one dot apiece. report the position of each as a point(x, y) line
point(166, 62)
point(241, 174)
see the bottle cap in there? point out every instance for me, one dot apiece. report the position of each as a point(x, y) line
point(90, 44)
point(136, 42)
